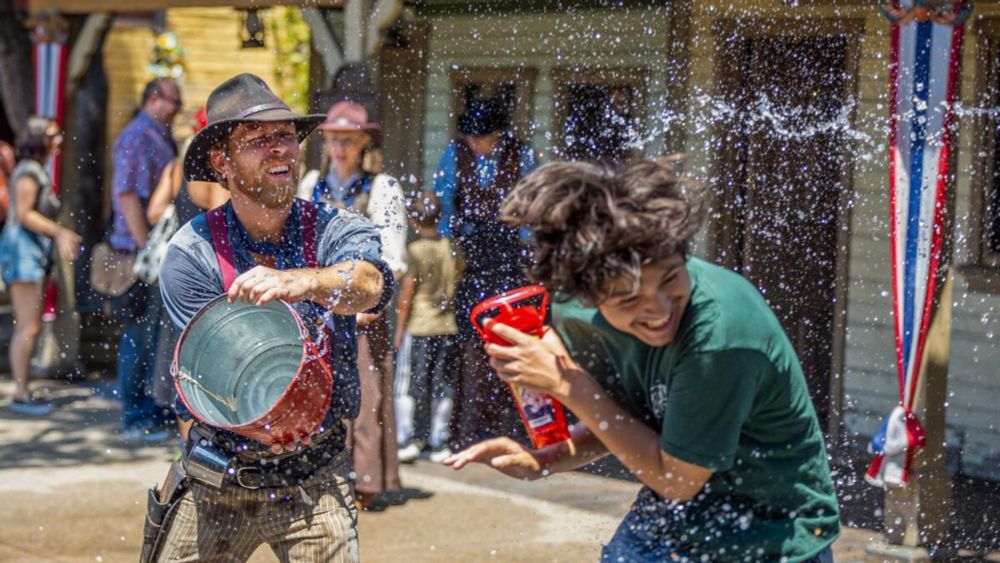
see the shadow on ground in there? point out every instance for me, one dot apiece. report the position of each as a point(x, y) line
point(83, 429)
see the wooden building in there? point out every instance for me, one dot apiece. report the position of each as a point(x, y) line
point(781, 106)
point(812, 226)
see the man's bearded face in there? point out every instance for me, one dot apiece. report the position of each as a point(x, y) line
point(263, 162)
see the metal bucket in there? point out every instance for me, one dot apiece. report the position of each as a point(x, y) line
point(252, 370)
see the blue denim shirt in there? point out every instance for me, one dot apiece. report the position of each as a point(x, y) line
point(446, 179)
point(141, 152)
point(190, 278)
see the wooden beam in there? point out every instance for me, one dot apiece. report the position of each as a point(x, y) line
point(86, 44)
point(383, 16)
point(88, 6)
point(324, 41)
point(355, 25)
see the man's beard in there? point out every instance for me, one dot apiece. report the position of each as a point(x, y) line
point(272, 197)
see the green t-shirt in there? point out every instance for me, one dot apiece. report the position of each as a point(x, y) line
point(729, 395)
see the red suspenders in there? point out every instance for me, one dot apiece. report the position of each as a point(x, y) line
point(224, 247)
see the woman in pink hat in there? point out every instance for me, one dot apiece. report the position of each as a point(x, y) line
point(350, 178)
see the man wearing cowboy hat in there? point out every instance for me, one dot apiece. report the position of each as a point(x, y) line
point(298, 498)
point(474, 175)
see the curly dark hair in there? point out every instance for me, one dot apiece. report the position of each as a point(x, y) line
point(594, 226)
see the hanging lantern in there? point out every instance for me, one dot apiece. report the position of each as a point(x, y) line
point(252, 30)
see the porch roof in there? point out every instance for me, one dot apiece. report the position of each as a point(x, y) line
point(88, 6)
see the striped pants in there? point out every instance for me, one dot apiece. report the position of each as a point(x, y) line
point(314, 521)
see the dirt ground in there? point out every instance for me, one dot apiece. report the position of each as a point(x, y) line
point(101, 521)
point(72, 490)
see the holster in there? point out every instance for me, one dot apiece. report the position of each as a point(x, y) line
point(204, 461)
point(161, 505)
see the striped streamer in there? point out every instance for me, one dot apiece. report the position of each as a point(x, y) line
point(923, 80)
point(50, 81)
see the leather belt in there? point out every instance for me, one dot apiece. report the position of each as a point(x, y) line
point(334, 431)
point(260, 468)
point(289, 471)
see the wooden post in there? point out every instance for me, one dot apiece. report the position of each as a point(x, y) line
point(16, 72)
point(917, 517)
point(355, 27)
point(325, 46)
point(674, 138)
point(383, 16)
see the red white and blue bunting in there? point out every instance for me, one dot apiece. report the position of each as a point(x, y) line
point(923, 82)
point(50, 54)
point(50, 81)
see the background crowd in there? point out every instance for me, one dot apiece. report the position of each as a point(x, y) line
point(427, 387)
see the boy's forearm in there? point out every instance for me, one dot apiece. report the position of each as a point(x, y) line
point(347, 288)
point(582, 448)
point(404, 302)
point(632, 442)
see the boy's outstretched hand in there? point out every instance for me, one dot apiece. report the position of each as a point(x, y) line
point(504, 455)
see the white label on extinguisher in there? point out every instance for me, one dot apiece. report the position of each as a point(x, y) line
point(537, 407)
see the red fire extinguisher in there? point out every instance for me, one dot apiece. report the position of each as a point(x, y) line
point(525, 309)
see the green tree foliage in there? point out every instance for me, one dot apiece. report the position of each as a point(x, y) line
point(290, 39)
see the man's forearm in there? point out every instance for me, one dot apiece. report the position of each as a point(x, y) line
point(347, 288)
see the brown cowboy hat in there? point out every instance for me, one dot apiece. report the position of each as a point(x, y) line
point(351, 116)
point(241, 99)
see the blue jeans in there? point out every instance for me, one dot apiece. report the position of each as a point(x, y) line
point(634, 542)
point(24, 256)
point(137, 359)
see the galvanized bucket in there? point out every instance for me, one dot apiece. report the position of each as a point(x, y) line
point(253, 370)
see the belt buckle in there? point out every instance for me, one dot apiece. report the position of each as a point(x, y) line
point(251, 468)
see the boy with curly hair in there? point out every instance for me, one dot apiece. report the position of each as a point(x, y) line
point(672, 364)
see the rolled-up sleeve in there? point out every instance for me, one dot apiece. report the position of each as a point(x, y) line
point(187, 284)
point(128, 171)
point(351, 237)
point(388, 212)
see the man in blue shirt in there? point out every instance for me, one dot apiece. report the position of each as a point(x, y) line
point(140, 154)
point(296, 497)
point(476, 172)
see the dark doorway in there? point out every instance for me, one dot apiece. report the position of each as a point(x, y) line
point(782, 171)
point(599, 113)
point(599, 126)
point(402, 64)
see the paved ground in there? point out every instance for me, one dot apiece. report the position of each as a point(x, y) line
point(72, 490)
